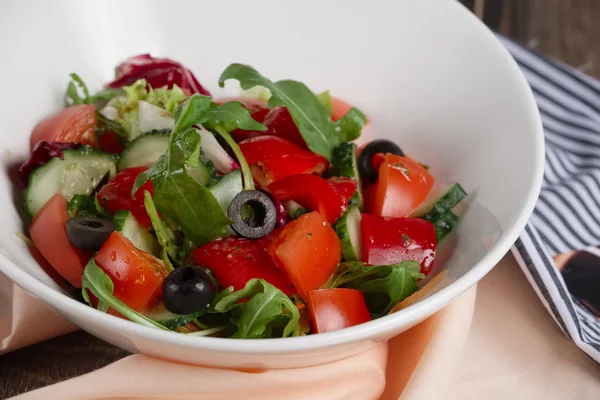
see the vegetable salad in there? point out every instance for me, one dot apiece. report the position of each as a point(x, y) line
point(252, 217)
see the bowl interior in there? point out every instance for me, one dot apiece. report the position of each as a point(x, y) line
point(428, 75)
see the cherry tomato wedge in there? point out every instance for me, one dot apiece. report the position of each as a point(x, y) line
point(73, 124)
point(272, 158)
point(401, 187)
point(308, 249)
point(137, 276)
point(48, 232)
point(116, 195)
point(335, 309)
point(234, 261)
point(314, 193)
point(392, 240)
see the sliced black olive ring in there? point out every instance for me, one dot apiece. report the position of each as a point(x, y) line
point(89, 233)
point(365, 160)
point(253, 214)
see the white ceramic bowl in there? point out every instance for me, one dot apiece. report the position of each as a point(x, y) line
point(428, 74)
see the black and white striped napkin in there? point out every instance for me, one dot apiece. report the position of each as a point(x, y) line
point(567, 214)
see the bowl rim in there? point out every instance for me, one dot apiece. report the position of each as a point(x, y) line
point(408, 316)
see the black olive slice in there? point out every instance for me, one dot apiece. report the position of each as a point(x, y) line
point(89, 233)
point(253, 214)
point(365, 165)
point(187, 290)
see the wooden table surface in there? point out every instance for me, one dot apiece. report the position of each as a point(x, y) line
point(568, 30)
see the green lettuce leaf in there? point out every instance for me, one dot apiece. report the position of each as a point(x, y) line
point(383, 286)
point(267, 313)
point(310, 115)
point(101, 286)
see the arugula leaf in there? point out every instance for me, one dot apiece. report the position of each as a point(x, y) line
point(101, 286)
point(178, 196)
point(164, 235)
point(382, 285)
point(310, 115)
point(266, 311)
point(78, 93)
point(327, 101)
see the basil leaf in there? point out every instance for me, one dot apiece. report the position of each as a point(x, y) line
point(383, 286)
point(266, 312)
point(101, 286)
point(310, 115)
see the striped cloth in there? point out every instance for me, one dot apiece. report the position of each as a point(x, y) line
point(567, 214)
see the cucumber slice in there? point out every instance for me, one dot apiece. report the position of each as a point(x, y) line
point(145, 150)
point(445, 224)
point(80, 172)
point(227, 188)
point(166, 318)
point(432, 210)
point(345, 161)
point(348, 230)
point(294, 209)
point(126, 223)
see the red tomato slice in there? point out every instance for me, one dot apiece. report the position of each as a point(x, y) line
point(272, 158)
point(116, 195)
point(234, 261)
point(48, 232)
point(401, 187)
point(73, 124)
point(392, 240)
point(312, 192)
point(308, 249)
point(137, 276)
point(335, 309)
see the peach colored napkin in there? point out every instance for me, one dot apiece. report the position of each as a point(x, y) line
point(507, 348)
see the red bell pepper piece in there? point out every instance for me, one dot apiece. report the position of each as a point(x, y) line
point(314, 193)
point(234, 261)
point(158, 72)
point(272, 158)
point(334, 309)
point(391, 240)
point(308, 249)
point(116, 195)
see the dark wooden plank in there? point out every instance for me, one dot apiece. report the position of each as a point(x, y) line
point(568, 30)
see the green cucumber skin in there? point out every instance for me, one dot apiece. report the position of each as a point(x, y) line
point(171, 321)
point(454, 195)
point(344, 160)
point(67, 153)
point(141, 239)
point(444, 225)
point(119, 219)
point(343, 231)
point(127, 159)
